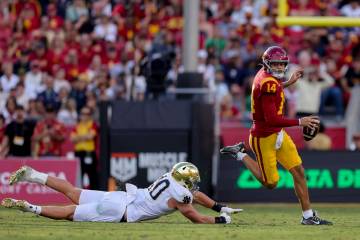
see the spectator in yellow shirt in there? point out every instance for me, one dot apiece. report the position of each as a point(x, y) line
point(84, 138)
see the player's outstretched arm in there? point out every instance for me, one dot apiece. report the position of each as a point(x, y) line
point(202, 199)
point(294, 78)
point(194, 216)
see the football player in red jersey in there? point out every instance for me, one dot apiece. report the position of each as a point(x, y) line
point(268, 140)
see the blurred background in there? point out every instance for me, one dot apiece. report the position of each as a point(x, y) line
point(103, 83)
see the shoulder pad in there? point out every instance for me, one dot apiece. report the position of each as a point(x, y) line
point(269, 85)
point(182, 195)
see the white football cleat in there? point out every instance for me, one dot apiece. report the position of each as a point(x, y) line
point(21, 175)
point(16, 204)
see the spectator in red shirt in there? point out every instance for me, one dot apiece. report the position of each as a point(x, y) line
point(20, 5)
point(29, 18)
point(85, 52)
point(303, 8)
point(49, 135)
point(56, 22)
point(71, 65)
point(42, 56)
point(58, 50)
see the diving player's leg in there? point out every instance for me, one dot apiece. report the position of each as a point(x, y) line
point(58, 212)
point(65, 188)
point(54, 212)
point(76, 195)
point(28, 174)
point(111, 208)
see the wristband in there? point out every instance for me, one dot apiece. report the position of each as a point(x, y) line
point(217, 207)
point(220, 220)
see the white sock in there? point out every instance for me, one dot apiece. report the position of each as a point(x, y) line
point(38, 177)
point(32, 208)
point(240, 156)
point(308, 213)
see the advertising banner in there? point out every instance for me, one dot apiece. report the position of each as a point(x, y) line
point(32, 192)
point(331, 177)
point(147, 138)
point(141, 157)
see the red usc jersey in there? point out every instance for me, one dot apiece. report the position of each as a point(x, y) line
point(267, 106)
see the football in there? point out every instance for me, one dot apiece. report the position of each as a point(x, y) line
point(310, 133)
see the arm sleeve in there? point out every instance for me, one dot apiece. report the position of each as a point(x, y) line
point(271, 116)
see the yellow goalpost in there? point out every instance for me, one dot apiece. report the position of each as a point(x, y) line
point(316, 21)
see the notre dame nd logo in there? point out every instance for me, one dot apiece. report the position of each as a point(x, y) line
point(186, 199)
point(123, 166)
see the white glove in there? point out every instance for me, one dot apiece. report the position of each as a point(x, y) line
point(227, 217)
point(229, 211)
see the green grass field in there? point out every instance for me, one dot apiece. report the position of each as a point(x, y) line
point(258, 221)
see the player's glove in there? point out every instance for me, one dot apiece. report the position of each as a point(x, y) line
point(229, 210)
point(224, 209)
point(227, 217)
point(223, 219)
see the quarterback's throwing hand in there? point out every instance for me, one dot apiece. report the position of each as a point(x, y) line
point(297, 74)
point(228, 210)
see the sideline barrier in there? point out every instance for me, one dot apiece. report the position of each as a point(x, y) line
point(32, 192)
point(332, 176)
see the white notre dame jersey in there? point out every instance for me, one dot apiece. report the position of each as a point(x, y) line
point(152, 202)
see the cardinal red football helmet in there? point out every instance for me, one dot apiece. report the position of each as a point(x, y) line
point(275, 54)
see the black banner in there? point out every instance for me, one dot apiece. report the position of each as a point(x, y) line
point(331, 176)
point(146, 139)
point(151, 115)
point(142, 157)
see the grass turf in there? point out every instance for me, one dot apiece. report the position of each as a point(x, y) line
point(258, 221)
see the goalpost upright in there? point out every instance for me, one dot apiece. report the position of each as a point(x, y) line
point(316, 21)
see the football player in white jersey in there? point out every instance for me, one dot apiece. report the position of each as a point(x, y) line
point(175, 190)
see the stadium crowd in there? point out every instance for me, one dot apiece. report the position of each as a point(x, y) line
point(60, 58)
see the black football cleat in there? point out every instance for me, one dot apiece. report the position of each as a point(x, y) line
point(315, 220)
point(234, 149)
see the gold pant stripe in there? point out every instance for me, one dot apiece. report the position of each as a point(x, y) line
point(255, 149)
point(261, 158)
